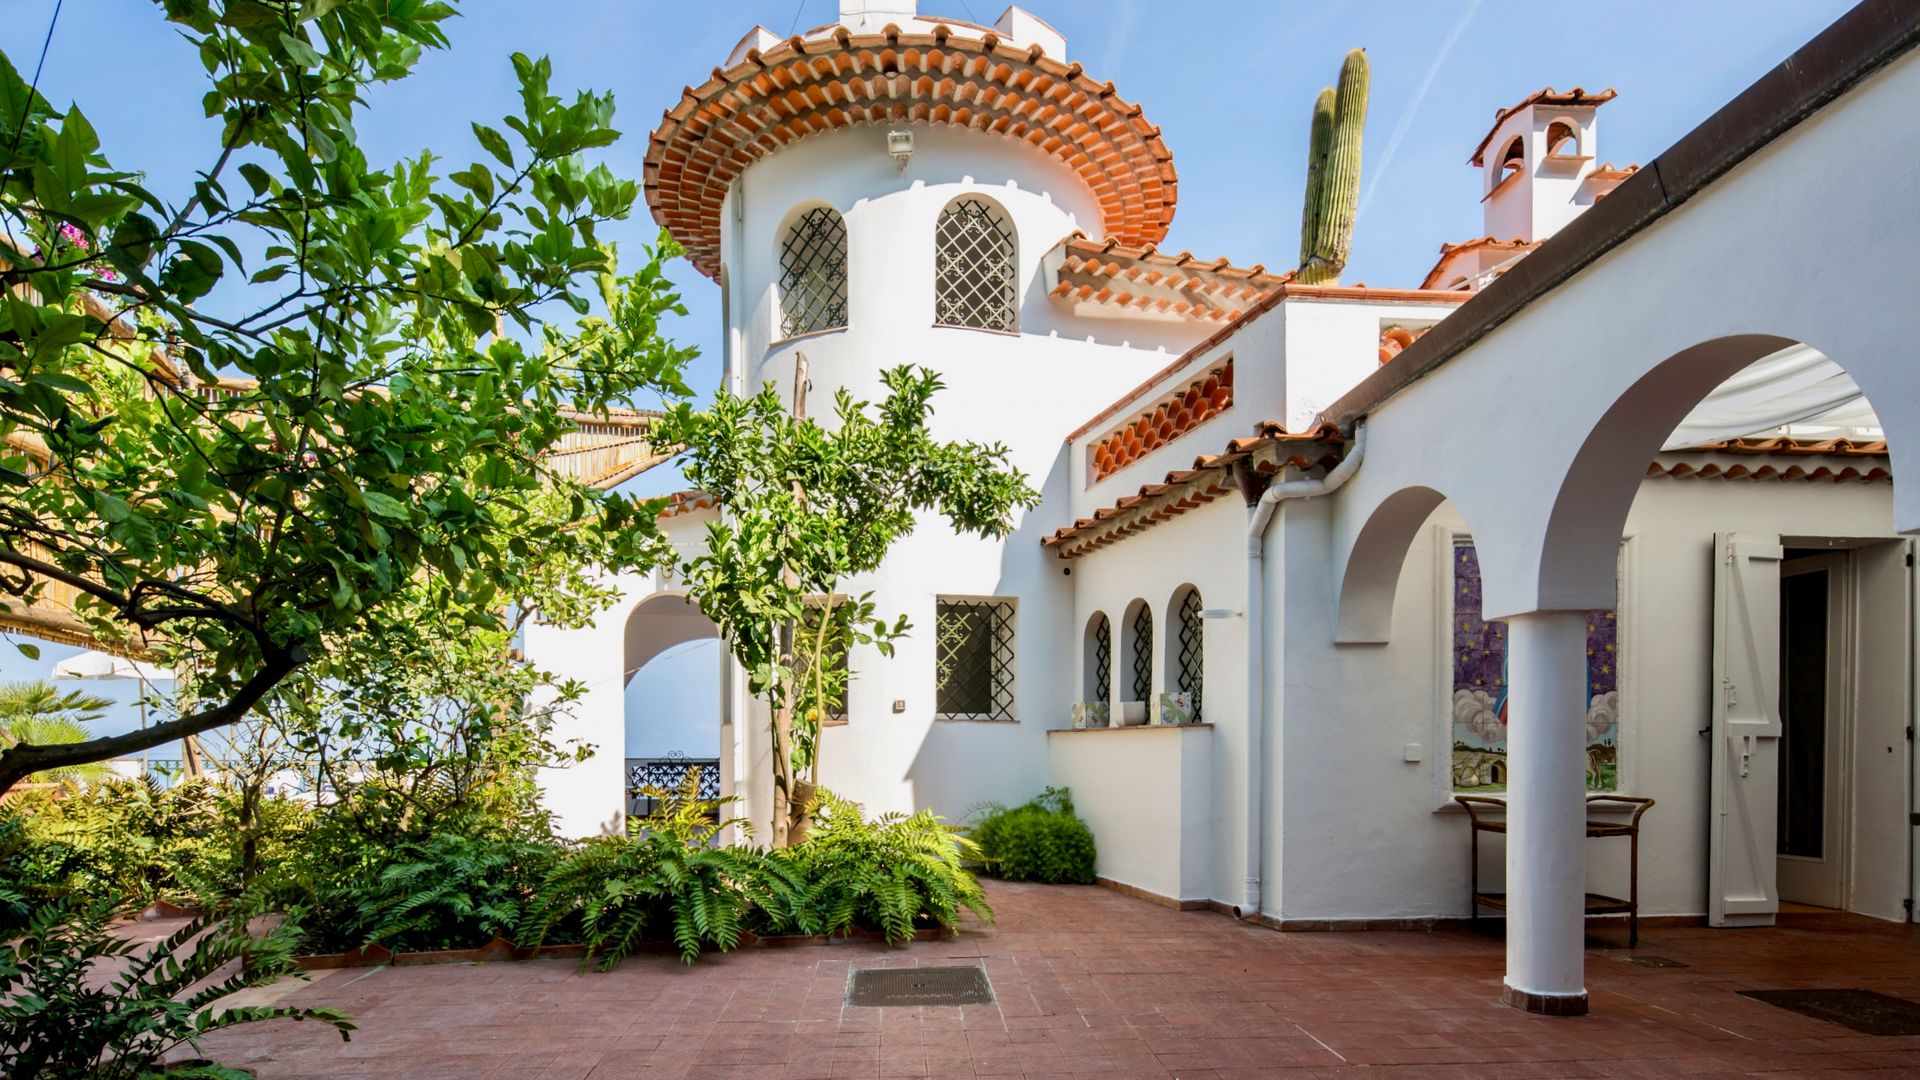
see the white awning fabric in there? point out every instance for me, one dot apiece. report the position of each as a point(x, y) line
point(1796, 391)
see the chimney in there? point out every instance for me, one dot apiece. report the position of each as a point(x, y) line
point(872, 16)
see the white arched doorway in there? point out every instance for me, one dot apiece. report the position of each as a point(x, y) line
point(671, 671)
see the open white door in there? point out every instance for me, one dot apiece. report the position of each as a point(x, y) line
point(1913, 745)
point(1881, 865)
point(1742, 847)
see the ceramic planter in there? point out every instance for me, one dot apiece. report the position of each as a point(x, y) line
point(1175, 709)
point(1092, 714)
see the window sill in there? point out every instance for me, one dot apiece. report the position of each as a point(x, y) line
point(808, 336)
point(1451, 807)
point(1013, 333)
point(1129, 727)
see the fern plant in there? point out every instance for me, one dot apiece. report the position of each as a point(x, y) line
point(449, 891)
point(896, 874)
point(59, 1023)
point(666, 881)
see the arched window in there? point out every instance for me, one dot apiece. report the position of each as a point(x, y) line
point(975, 269)
point(1097, 674)
point(813, 273)
point(1140, 651)
point(1563, 139)
point(1189, 655)
point(1512, 158)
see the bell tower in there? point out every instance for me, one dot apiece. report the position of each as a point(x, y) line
point(1538, 164)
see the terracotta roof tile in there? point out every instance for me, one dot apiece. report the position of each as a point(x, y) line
point(1182, 490)
point(808, 85)
point(1577, 96)
point(687, 502)
point(1144, 278)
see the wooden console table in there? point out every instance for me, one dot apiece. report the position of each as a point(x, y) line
point(1597, 903)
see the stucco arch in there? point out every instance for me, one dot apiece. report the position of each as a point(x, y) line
point(1137, 649)
point(1374, 561)
point(1565, 401)
point(1579, 549)
point(1091, 662)
point(658, 623)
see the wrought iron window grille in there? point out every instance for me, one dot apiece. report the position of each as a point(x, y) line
point(813, 274)
point(1192, 649)
point(974, 660)
point(1143, 654)
point(976, 281)
point(667, 774)
point(1103, 660)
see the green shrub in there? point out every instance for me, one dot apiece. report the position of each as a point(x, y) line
point(1041, 840)
point(895, 875)
point(365, 877)
point(132, 840)
point(57, 1022)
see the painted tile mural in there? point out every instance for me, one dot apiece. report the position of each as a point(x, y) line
point(1480, 689)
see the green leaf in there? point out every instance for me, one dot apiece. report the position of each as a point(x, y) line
point(494, 143)
point(132, 243)
point(28, 650)
point(385, 505)
point(300, 51)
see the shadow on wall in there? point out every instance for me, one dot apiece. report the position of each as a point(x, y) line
point(960, 764)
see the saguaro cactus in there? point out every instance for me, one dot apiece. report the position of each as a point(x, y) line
point(1333, 174)
point(1319, 137)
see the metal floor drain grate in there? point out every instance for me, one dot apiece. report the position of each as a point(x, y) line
point(1864, 1011)
point(1654, 961)
point(884, 987)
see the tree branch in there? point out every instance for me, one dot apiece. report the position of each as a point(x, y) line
point(24, 759)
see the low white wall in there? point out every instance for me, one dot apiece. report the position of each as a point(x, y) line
point(1144, 791)
point(1205, 548)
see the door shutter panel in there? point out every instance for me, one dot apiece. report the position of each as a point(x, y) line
point(1742, 847)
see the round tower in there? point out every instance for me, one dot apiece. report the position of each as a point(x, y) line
point(896, 189)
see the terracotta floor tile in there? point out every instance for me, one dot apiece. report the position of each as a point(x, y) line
point(1092, 983)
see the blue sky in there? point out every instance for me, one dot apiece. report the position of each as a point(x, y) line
point(1230, 85)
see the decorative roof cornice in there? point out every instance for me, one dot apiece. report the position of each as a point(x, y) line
point(1147, 280)
point(1574, 98)
point(805, 86)
point(1269, 451)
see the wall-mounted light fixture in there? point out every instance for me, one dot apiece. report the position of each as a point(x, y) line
point(900, 146)
point(1219, 613)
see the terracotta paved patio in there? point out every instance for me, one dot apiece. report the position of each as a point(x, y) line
point(1090, 981)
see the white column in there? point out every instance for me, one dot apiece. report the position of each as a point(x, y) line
point(1547, 814)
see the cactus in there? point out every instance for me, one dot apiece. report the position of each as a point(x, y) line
point(1333, 175)
point(1318, 139)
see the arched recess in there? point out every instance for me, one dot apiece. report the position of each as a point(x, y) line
point(812, 256)
point(976, 266)
point(671, 717)
point(1186, 648)
point(1379, 552)
point(1563, 139)
point(1513, 158)
point(1096, 660)
point(1136, 663)
point(1578, 546)
point(657, 624)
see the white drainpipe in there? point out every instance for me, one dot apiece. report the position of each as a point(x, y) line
point(1257, 522)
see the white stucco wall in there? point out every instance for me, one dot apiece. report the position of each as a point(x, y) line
point(1025, 390)
point(1205, 548)
point(1366, 834)
point(589, 798)
point(1146, 792)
